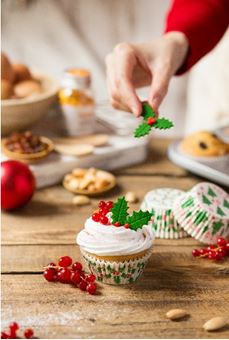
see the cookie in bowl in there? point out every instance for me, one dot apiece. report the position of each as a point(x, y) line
point(26, 147)
point(204, 144)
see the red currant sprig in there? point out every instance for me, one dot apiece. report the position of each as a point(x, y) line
point(72, 273)
point(104, 209)
point(214, 252)
point(13, 329)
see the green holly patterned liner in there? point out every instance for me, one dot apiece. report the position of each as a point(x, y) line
point(160, 202)
point(204, 212)
point(116, 273)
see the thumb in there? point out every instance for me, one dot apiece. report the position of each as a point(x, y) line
point(159, 87)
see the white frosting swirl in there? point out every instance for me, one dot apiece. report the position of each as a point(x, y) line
point(100, 239)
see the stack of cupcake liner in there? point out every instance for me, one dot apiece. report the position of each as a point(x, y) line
point(202, 212)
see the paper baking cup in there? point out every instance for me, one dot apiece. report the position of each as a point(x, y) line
point(116, 273)
point(160, 203)
point(204, 212)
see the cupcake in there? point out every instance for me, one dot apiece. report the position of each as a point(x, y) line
point(116, 246)
point(160, 202)
point(204, 212)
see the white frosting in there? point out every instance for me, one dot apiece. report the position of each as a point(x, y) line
point(100, 239)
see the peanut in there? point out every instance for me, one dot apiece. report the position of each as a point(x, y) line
point(175, 314)
point(215, 323)
point(131, 197)
point(81, 200)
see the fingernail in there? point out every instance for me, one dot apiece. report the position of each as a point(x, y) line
point(135, 111)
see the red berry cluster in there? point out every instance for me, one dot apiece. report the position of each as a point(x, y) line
point(12, 334)
point(74, 275)
point(104, 208)
point(214, 252)
point(151, 121)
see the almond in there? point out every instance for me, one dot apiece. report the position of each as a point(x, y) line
point(81, 200)
point(175, 314)
point(215, 323)
point(131, 197)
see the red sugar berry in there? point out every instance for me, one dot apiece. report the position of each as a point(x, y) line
point(96, 217)
point(28, 333)
point(195, 253)
point(221, 242)
point(90, 278)
point(65, 261)
point(127, 226)
point(151, 120)
point(104, 220)
point(109, 205)
point(117, 224)
point(77, 266)
point(50, 275)
point(64, 275)
point(75, 278)
point(102, 204)
point(103, 211)
point(4, 335)
point(91, 288)
point(83, 285)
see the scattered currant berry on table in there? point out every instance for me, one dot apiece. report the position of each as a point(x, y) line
point(83, 285)
point(64, 275)
point(50, 274)
point(76, 278)
point(65, 261)
point(28, 333)
point(195, 252)
point(91, 288)
point(213, 252)
point(221, 242)
point(14, 326)
point(77, 266)
point(4, 335)
point(151, 120)
point(90, 278)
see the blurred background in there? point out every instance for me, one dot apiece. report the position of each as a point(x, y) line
point(51, 35)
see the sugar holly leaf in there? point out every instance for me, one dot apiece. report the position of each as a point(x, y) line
point(147, 111)
point(163, 123)
point(139, 219)
point(120, 211)
point(142, 130)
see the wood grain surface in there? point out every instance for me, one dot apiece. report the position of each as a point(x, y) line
point(46, 229)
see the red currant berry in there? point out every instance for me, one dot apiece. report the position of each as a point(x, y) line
point(227, 247)
point(83, 285)
point(4, 335)
point(109, 205)
point(75, 278)
point(91, 288)
point(117, 224)
point(222, 252)
point(212, 254)
point(102, 204)
point(221, 242)
point(51, 264)
point(104, 220)
point(210, 247)
point(127, 226)
point(28, 333)
point(77, 266)
point(65, 261)
point(203, 251)
point(50, 274)
point(64, 275)
point(195, 253)
point(151, 120)
point(14, 326)
point(90, 278)
point(96, 217)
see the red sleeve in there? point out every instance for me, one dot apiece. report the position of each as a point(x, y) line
point(202, 21)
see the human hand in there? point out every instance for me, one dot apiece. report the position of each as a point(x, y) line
point(130, 66)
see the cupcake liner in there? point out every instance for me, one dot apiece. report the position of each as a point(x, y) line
point(204, 212)
point(116, 273)
point(160, 202)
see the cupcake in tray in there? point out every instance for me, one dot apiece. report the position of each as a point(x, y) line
point(115, 245)
point(160, 202)
point(204, 212)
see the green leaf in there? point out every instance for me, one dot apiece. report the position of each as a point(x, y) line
point(163, 123)
point(138, 219)
point(119, 211)
point(206, 200)
point(142, 130)
point(147, 111)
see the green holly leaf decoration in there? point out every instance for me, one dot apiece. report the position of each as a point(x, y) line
point(142, 130)
point(138, 219)
point(120, 211)
point(163, 123)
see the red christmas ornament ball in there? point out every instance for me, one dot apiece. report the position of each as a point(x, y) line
point(17, 184)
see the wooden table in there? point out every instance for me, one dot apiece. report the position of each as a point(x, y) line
point(46, 229)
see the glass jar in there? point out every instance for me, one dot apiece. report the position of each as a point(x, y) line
point(77, 102)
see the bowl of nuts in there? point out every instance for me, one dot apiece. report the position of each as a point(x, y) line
point(89, 181)
point(26, 95)
point(26, 147)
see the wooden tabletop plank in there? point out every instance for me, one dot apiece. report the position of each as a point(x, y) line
point(51, 218)
point(62, 311)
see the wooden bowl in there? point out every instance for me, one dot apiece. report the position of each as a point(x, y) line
point(21, 114)
point(110, 186)
point(31, 157)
